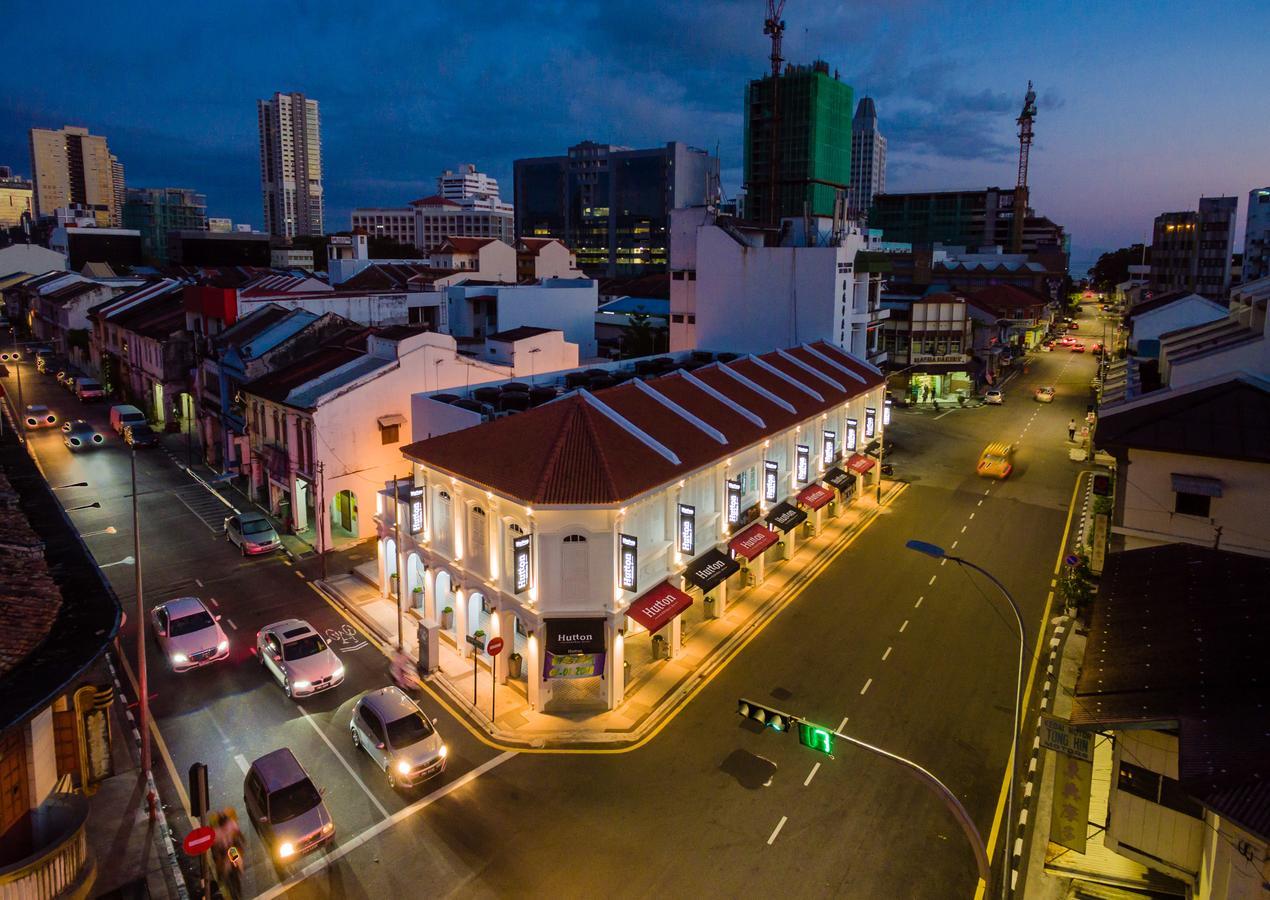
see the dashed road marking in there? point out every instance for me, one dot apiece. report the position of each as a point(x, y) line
point(918, 604)
point(231, 623)
point(886, 654)
point(777, 830)
point(972, 515)
point(242, 762)
point(932, 580)
point(199, 583)
point(954, 545)
point(843, 723)
point(963, 529)
point(213, 599)
point(866, 687)
point(980, 503)
point(320, 733)
point(905, 625)
point(812, 774)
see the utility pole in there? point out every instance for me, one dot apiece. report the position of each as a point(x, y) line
point(321, 515)
point(143, 702)
point(396, 549)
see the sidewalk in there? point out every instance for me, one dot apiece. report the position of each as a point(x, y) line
point(655, 691)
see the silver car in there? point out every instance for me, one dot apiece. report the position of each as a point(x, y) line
point(188, 634)
point(295, 654)
point(286, 807)
point(252, 533)
point(396, 734)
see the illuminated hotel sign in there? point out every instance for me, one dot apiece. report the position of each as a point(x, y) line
point(886, 413)
point(687, 529)
point(769, 480)
point(520, 562)
point(734, 501)
point(852, 428)
point(416, 510)
point(629, 561)
point(831, 449)
point(803, 465)
point(870, 421)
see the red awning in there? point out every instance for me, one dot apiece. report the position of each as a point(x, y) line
point(859, 464)
point(814, 496)
point(657, 607)
point(753, 541)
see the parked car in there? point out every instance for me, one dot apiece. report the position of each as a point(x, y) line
point(1078, 348)
point(398, 737)
point(295, 654)
point(188, 634)
point(1045, 395)
point(89, 389)
point(39, 416)
point(123, 415)
point(80, 435)
point(994, 397)
point(1074, 325)
point(252, 533)
point(285, 807)
point(50, 365)
point(140, 436)
point(11, 355)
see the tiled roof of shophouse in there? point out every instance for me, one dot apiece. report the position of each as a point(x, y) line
point(340, 349)
point(434, 200)
point(1177, 639)
point(463, 244)
point(619, 442)
point(1004, 300)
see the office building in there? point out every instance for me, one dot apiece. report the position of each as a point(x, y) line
point(797, 143)
point(156, 211)
point(467, 183)
point(611, 205)
point(72, 167)
point(972, 220)
point(394, 223)
point(1256, 235)
point(214, 249)
point(291, 165)
point(868, 158)
point(15, 199)
point(219, 225)
point(1190, 251)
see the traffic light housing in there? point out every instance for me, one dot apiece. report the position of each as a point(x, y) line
point(766, 716)
point(815, 737)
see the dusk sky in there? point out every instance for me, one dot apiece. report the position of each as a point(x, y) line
point(1143, 106)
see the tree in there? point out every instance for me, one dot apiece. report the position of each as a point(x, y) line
point(1113, 268)
point(642, 338)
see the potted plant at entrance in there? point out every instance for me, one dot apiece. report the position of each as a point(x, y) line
point(514, 663)
point(447, 617)
point(416, 597)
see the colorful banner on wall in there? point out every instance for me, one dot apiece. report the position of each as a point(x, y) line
point(1069, 819)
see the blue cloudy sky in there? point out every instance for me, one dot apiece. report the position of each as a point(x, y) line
point(1144, 106)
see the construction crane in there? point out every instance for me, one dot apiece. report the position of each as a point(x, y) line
point(1020, 188)
point(774, 25)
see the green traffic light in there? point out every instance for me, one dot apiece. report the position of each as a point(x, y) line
point(814, 737)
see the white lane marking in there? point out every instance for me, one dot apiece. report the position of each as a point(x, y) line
point(963, 529)
point(199, 583)
point(777, 829)
point(231, 623)
point(972, 515)
point(373, 799)
point(954, 545)
point(918, 604)
point(985, 493)
point(905, 625)
point(944, 561)
point(932, 580)
point(866, 687)
point(843, 723)
point(214, 601)
point(886, 654)
point(812, 774)
point(242, 762)
point(980, 503)
point(346, 847)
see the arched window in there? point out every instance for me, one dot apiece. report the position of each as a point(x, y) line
point(575, 570)
point(477, 554)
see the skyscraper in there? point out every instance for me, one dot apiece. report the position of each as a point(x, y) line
point(1191, 251)
point(1257, 235)
point(72, 167)
point(291, 165)
point(868, 158)
point(797, 143)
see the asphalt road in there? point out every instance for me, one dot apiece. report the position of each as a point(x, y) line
point(915, 657)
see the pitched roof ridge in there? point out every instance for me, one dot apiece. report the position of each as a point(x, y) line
point(576, 417)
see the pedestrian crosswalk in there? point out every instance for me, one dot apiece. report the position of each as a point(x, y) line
point(209, 508)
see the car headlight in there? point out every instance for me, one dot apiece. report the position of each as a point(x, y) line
point(179, 658)
point(444, 752)
point(286, 850)
point(222, 646)
point(403, 767)
point(328, 827)
point(300, 685)
point(339, 672)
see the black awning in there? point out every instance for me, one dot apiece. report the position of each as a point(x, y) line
point(786, 516)
point(839, 479)
point(710, 568)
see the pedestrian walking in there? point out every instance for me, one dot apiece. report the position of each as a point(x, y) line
point(1071, 429)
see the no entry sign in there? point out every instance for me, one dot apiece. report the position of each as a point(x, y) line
point(495, 646)
point(198, 841)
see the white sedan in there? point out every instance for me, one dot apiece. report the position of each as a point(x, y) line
point(295, 654)
point(188, 634)
point(994, 397)
point(39, 416)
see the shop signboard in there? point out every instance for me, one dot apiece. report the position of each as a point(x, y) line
point(786, 516)
point(416, 510)
point(870, 421)
point(521, 561)
point(628, 562)
point(802, 468)
point(710, 568)
point(575, 648)
point(830, 451)
point(687, 529)
point(770, 470)
point(734, 501)
point(853, 428)
point(886, 413)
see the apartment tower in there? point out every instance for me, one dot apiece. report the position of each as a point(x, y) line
point(291, 165)
point(868, 158)
point(74, 168)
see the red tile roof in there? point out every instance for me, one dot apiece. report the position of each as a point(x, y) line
point(1003, 299)
point(622, 441)
point(434, 200)
point(464, 244)
point(342, 347)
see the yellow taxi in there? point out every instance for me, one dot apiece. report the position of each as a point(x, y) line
point(994, 461)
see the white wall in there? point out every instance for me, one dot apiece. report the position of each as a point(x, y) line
point(367, 309)
point(1184, 313)
point(541, 353)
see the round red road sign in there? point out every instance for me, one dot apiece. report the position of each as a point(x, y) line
point(198, 841)
point(495, 646)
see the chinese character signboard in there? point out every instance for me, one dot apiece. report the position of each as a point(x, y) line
point(870, 421)
point(734, 501)
point(830, 449)
point(628, 563)
point(416, 510)
point(687, 529)
point(803, 465)
point(1069, 821)
point(769, 480)
point(520, 562)
point(853, 427)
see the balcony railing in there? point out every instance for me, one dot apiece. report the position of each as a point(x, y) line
point(60, 864)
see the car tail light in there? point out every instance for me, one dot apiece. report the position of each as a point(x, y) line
point(75, 441)
point(32, 421)
point(97, 438)
point(51, 419)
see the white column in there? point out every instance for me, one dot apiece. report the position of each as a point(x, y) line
point(503, 622)
point(615, 682)
point(721, 598)
point(460, 623)
point(675, 636)
point(757, 564)
point(533, 674)
point(790, 543)
point(430, 594)
point(381, 552)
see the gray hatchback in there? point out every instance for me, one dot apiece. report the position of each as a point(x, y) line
point(285, 807)
point(396, 734)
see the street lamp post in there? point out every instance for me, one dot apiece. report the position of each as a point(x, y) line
point(143, 702)
point(937, 552)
